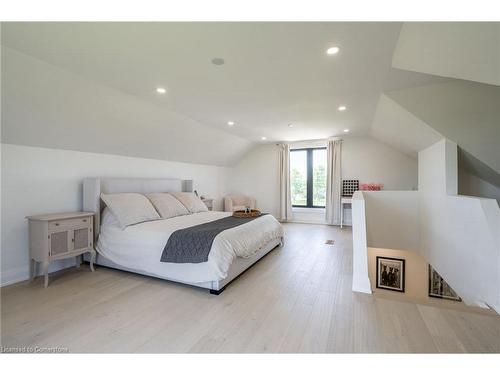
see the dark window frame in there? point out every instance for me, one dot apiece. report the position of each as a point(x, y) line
point(309, 177)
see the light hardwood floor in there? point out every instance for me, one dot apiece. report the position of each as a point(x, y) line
point(297, 299)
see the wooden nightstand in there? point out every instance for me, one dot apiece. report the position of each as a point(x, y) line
point(209, 203)
point(60, 236)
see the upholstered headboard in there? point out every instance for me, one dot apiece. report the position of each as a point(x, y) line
point(93, 187)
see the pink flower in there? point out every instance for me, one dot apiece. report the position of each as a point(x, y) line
point(371, 186)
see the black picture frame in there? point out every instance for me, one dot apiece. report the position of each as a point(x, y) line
point(382, 282)
point(439, 288)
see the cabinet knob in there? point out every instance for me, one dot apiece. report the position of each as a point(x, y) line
point(84, 220)
point(57, 224)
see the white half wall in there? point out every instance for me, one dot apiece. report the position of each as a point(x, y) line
point(40, 180)
point(360, 275)
point(459, 236)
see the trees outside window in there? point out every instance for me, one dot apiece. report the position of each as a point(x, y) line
point(308, 177)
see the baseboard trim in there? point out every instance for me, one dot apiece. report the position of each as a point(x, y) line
point(14, 276)
point(20, 274)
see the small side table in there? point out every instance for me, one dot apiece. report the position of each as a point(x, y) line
point(60, 236)
point(209, 202)
point(343, 201)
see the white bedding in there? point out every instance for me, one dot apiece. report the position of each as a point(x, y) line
point(139, 247)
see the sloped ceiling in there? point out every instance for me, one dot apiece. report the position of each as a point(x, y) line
point(465, 112)
point(45, 106)
point(396, 126)
point(476, 167)
point(462, 50)
point(444, 83)
point(275, 74)
point(93, 86)
point(398, 79)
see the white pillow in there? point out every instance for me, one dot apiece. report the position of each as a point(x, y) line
point(191, 202)
point(167, 205)
point(108, 219)
point(130, 208)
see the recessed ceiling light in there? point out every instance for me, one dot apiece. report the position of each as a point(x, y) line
point(161, 90)
point(346, 130)
point(332, 50)
point(342, 108)
point(218, 61)
point(230, 123)
point(263, 138)
point(290, 125)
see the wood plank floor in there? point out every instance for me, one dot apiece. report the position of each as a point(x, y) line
point(296, 299)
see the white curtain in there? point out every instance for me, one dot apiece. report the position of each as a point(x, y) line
point(333, 176)
point(285, 187)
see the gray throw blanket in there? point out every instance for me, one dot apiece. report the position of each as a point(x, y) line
point(193, 244)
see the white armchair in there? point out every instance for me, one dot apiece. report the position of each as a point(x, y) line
point(238, 202)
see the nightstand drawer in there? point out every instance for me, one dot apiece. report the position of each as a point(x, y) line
point(59, 225)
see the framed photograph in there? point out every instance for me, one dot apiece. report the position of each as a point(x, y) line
point(391, 274)
point(438, 288)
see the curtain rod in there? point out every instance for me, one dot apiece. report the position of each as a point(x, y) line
point(311, 140)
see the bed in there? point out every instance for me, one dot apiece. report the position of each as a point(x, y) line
point(138, 248)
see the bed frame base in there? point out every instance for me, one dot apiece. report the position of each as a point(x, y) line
point(217, 292)
point(239, 267)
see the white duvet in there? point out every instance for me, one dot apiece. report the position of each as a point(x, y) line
point(139, 247)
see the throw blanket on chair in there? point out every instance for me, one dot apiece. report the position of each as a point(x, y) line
point(193, 244)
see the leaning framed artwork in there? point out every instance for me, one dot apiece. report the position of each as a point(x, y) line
point(438, 288)
point(391, 274)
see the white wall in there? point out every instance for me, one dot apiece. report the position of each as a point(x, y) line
point(392, 219)
point(40, 180)
point(363, 158)
point(370, 160)
point(256, 175)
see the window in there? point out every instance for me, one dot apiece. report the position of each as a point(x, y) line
point(308, 177)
